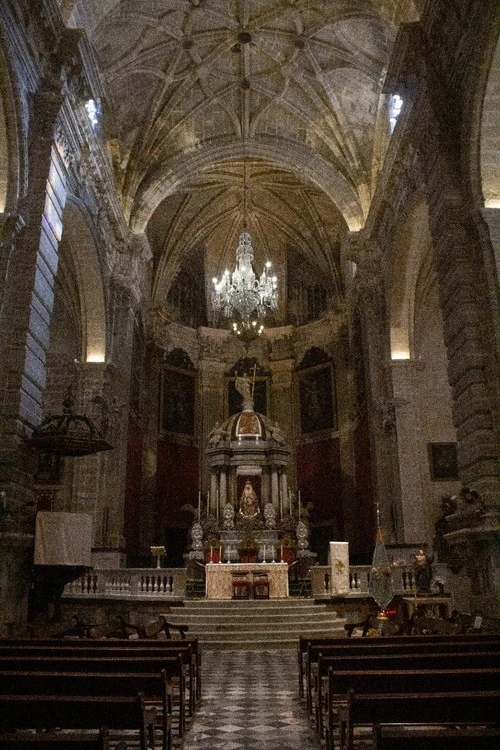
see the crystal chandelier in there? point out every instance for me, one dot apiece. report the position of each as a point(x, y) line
point(243, 295)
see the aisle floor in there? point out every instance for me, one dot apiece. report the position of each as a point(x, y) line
point(250, 702)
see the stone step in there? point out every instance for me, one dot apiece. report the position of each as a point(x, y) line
point(261, 624)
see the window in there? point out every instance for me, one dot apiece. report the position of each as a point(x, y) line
point(93, 112)
point(395, 107)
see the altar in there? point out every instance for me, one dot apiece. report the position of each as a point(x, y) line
point(219, 578)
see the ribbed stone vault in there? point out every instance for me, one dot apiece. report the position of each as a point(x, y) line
point(200, 90)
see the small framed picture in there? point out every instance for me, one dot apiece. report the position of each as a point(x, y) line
point(443, 464)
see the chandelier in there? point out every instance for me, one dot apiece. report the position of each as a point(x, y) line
point(242, 294)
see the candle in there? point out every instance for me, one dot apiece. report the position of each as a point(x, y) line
point(290, 501)
point(281, 553)
point(264, 553)
point(199, 505)
point(220, 553)
point(211, 554)
point(299, 505)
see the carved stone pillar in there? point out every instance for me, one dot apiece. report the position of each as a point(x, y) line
point(29, 259)
point(370, 301)
point(402, 415)
point(274, 488)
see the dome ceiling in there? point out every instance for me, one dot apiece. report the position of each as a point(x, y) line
point(199, 88)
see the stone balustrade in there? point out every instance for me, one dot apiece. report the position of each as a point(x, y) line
point(170, 583)
point(129, 583)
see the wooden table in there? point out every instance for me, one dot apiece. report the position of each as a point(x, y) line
point(219, 578)
point(427, 603)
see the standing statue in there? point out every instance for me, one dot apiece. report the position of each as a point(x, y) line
point(243, 386)
point(249, 504)
point(422, 566)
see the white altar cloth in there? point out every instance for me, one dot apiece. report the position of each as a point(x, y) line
point(219, 578)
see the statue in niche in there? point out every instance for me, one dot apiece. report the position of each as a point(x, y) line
point(243, 386)
point(249, 504)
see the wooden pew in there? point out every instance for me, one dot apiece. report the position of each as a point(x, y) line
point(393, 737)
point(375, 682)
point(55, 740)
point(79, 712)
point(188, 647)
point(157, 689)
point(462, 708)
point(172, 665)
point(413, 658)
point(364, 645)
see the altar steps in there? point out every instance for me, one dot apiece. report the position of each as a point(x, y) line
point(256, 624)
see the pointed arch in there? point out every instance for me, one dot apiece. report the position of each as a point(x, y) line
point(83, 249)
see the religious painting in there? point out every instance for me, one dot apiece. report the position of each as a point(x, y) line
point(259, 391)
point(178, 394)
point(443, 464)
point(317, 400)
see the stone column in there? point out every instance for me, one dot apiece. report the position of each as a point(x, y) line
point(368, 296)
point(275, 489)
point(214, 488)
point(284, 488)
point(223, 492)
point(281, 403)
point(407, 425)
point(31, 260)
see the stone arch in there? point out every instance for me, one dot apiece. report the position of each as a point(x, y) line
point(482, 135)
point(409, 248)
point(300, 161)
point(82, 247)
point(10, 157)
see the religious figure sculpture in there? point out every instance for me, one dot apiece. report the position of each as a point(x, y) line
point(249, 504)
point(422, 565)
point(216, 435)
point(243, 386)
point(228, 515)
point(270, 516)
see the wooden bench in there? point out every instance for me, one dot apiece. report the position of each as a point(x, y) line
point(54, 740)
point(79, 712)
point(397, 657)
point(463, 708)
point(392, 737)
point(157, 689)
point(340, 683)
point(172, 665)
point(365, 645)
point(137, 647)
point(401, 662)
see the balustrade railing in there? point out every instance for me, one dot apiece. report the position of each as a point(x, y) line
point(129, 583)
point(140, 583)
point(403, 580)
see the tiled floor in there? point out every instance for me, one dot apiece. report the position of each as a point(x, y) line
point(250, 702)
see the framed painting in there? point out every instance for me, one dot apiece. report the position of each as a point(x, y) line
point(178, 401)
point(443, 464)
point(317, 399)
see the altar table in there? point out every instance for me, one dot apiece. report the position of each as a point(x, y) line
point(219, 580)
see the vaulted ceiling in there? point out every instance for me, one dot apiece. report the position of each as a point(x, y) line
point(274, 105)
